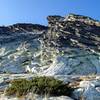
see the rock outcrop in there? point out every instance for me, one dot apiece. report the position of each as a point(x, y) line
point(75, 31)
point(77, 39)
point(67, 49)
point(70, 45)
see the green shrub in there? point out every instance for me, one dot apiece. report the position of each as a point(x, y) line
point(38, 85)
point(19, 87)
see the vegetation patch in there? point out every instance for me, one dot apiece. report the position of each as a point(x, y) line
point(38, 85)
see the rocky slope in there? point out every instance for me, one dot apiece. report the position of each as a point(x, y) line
point(69, 46)
point(18, 45)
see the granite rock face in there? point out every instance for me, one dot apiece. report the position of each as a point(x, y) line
point(70, 45)
point(76, 39)
point(19, 44)
point(75, 31)
point(67, 49)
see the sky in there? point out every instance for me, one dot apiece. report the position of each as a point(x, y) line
point(36, 11)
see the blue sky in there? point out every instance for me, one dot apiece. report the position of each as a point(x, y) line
point(36, 11)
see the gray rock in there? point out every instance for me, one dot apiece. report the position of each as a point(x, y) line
point(70, 46)
point(89, 90)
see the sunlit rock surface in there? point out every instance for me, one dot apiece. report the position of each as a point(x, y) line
point(68, 46)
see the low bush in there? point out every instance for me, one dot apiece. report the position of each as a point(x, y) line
point(38, 85)
point(18, 87)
